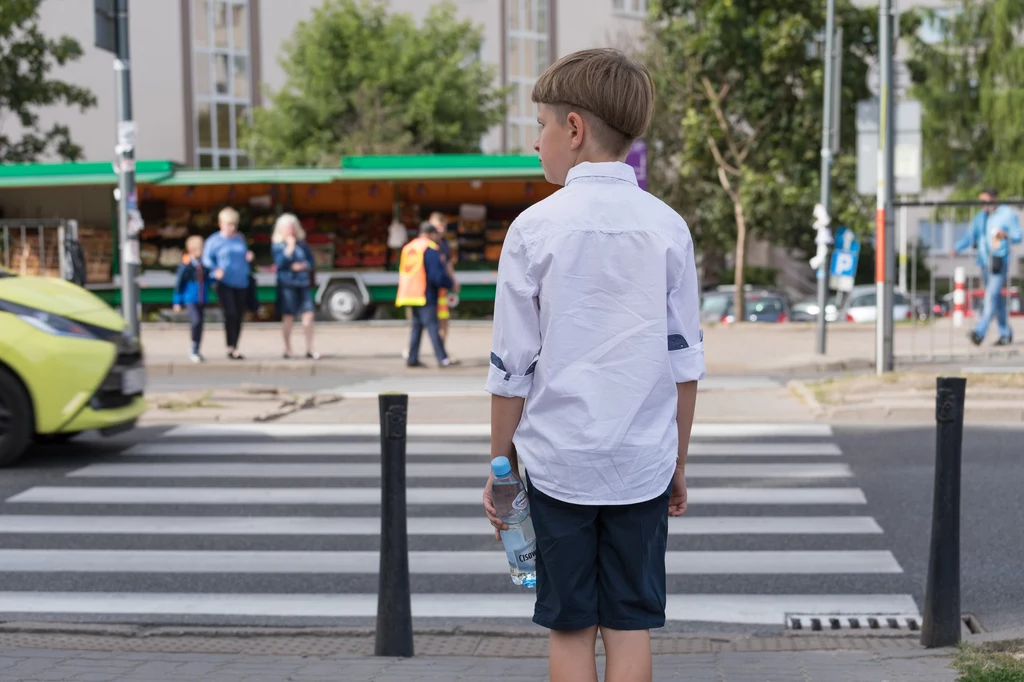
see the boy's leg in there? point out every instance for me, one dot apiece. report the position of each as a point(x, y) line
point(567, 583)
point(632, 590)
point(195, 323)
point(572, 656)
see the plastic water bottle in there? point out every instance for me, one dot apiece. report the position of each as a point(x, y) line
point(513, 508)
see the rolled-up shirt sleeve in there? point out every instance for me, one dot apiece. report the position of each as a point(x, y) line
point(685, 337)
point(516, 344)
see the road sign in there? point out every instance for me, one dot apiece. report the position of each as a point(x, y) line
point(907, 126)
point(844, 260)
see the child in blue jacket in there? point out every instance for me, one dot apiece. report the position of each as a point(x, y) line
point(192, 290)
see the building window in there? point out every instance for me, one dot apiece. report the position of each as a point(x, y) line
point(528, 49)
point(221, 80)
point(940, 237)
point(631, 8)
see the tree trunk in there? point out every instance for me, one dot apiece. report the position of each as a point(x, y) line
point(739, 309)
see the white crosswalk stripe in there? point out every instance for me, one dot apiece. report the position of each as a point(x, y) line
point(774, 504)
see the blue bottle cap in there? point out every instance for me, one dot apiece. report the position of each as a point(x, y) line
point(501, 466)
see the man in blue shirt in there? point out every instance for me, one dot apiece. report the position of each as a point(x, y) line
point(994, 230)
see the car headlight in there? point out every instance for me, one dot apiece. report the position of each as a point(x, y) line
point(48, 322)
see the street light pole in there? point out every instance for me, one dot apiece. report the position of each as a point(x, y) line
point(884, 251)
point(128, 215)
point(827, 145)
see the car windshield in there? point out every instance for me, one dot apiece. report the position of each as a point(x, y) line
point(716, 303)
point(763, 304)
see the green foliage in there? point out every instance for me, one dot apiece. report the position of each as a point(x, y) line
point(737, 130)
point(27, 58)
point(363, 81)
point(971, 87)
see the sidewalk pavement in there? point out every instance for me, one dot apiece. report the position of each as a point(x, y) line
point(374, 349)
point(34, 665)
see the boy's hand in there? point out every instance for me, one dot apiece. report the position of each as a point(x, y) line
point(492, 513)
point(249, 255)
point(677, 502)
point(177, 308)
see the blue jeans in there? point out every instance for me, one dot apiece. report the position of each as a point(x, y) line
point(995, 306)
point(425, 317)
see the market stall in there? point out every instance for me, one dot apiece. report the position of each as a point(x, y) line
point(348, 213)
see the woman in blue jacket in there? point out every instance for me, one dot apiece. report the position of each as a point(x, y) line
point(294, 261)
point(227, 257)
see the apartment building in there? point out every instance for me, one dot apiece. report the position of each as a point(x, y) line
point(198, 66)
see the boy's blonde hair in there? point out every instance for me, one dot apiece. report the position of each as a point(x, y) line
point(228, 215)
point(194, 243)
point(604, 82)
point(283, 221)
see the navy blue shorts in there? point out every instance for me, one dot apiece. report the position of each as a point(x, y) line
point(600, 565)
point(294, 300)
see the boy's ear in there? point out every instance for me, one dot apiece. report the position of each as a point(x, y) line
point(576, 125)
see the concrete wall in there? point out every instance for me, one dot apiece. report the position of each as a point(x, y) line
point(155, 41)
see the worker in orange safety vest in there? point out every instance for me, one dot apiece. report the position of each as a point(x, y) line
point(421, 273)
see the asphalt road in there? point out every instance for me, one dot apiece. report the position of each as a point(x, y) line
point(856, 543)
point(896, 468)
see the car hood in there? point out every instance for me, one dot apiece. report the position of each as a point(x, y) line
point(60, 298)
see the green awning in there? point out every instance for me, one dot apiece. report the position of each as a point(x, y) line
point(442, 167)
point(72, 174)
point(253, 176)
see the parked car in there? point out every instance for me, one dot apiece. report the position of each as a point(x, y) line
point(66, 365)
point(861, 301)
point(807, 310)
point(761, 305)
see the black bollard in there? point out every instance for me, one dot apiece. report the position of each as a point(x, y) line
point(394, 602)
point(941, 624)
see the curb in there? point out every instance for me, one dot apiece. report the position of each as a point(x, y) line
point(508, 643)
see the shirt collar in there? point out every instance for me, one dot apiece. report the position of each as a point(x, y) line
point(615, 170)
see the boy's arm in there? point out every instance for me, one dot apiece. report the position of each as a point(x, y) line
point(516, 344)
point(685, 342)
point(179, 285)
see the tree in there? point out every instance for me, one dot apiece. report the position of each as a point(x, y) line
point(27, 58)
point(739, 125)
point(363, 81)
point(967, 69)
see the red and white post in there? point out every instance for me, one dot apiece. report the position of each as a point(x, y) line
point(959, 296)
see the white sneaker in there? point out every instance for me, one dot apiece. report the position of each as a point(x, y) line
point(195, 357)
point(405, 354)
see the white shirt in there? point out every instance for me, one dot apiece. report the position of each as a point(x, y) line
point(597, 317)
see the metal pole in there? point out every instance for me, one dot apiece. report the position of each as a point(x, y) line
point(827, 143)
point(394, 600)
point(127, 204)
point(885, 254)
point(904, 244)
point(940, 625)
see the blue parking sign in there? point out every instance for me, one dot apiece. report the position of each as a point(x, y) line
point(843, 269)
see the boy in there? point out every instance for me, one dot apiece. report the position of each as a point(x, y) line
point(597, 323)
point(191, 289)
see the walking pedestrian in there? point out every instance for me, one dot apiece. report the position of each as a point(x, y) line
point(420, 275)
point(993, 232)
point(438, 220)
point(594, 366)
point(295, 263)
point(192, 290)
point(228, 257)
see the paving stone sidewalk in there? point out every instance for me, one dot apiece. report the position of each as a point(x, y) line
point(39, 665)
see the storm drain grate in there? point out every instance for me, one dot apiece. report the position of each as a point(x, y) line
point(821, 622)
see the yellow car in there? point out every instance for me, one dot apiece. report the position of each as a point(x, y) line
point(66, 365)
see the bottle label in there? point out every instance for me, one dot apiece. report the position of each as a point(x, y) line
point(520, 503)
point(521, 546)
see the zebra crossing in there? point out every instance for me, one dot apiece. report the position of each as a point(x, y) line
point(278, 523)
